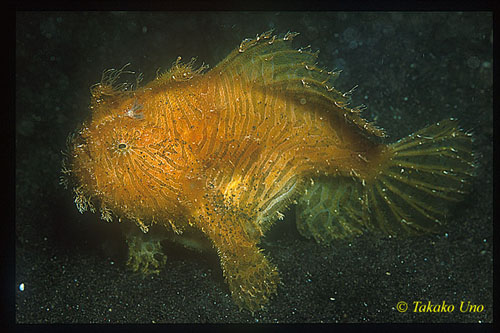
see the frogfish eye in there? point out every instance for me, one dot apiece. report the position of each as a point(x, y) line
point(122, 145)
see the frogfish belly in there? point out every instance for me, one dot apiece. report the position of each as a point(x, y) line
point(212, 158)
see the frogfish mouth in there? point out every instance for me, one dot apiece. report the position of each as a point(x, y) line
point(212, 159)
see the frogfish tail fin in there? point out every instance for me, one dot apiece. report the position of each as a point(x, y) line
point(412, 192)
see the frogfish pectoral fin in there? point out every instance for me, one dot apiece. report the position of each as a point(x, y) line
point(251, 277)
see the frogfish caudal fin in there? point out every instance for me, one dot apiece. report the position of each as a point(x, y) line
point(219, 155)
point(409, 192)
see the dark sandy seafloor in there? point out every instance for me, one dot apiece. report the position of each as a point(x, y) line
point(413, 69)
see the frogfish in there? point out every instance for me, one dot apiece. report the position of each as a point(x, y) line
point(211, 159)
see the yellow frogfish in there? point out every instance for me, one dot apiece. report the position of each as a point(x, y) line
point(212, 158)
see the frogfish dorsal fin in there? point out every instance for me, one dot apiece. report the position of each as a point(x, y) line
point(272, 63)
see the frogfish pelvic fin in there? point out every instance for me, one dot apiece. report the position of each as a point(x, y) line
point(217, 156)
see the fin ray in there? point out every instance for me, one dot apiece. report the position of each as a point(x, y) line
point(422, 175)
point(271, 63)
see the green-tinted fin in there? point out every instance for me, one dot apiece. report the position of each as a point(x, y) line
point(412, 192)
point(145, 253)
point(272, 63)
point(331, 209)
point(429, 170)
